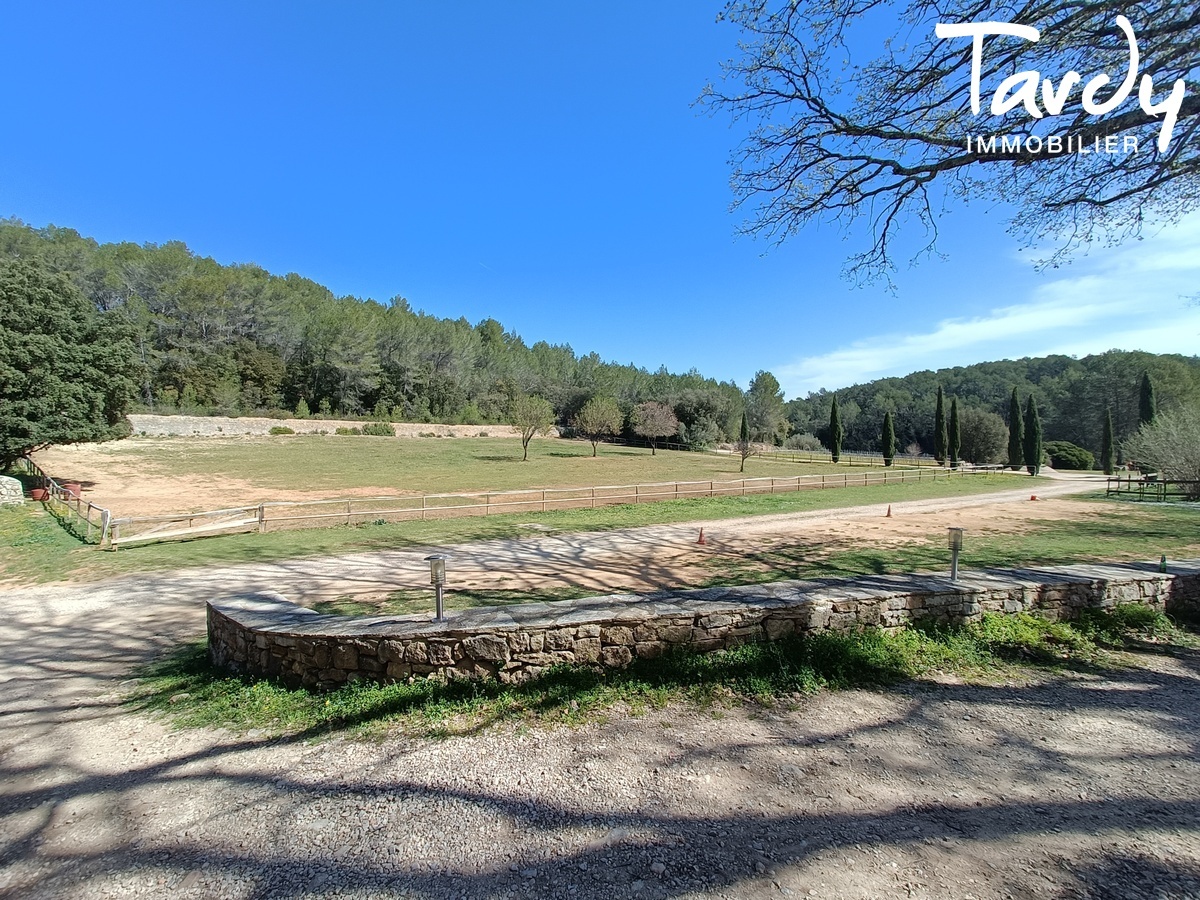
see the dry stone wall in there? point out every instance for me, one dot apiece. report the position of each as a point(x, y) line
point(215, 426)
point(11, 492)
point(267, 635)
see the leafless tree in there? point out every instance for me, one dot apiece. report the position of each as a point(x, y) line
point(886, 141)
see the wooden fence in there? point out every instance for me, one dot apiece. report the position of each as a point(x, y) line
point(357, 511)
point(1150, 487)
point(89, 521)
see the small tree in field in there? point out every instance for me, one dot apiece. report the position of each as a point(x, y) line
point(530, 416)
point(599, 418)
point(302, 410)
point(743, 445)
point(835, 431)
point(654, 420)
point(889, 439)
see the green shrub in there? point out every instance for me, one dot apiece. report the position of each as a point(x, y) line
point(340, 430)
point(1065, 455)
point(379, 429)
point(282, 429)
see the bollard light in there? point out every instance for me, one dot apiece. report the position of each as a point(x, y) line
point(956, 542)
point(437, 577)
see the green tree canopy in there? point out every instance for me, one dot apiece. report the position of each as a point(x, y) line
point(1016, 433)
point(530, 416)
point(765, 410)
point(599, 418)
point(67, 370)
point(941, 438)
point(835, 431)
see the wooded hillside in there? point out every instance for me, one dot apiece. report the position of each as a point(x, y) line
point(235, 339)
point(1071, 395)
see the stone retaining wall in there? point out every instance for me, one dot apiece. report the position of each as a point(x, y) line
point(267, 635)
point(214, 426)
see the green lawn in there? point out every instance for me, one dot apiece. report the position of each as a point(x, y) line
point(47, 554)
point(1125, 531)
point(423, 465)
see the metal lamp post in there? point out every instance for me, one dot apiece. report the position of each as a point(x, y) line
point(956, 541)
point(437, 577)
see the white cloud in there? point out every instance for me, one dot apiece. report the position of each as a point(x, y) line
point(1131, 298)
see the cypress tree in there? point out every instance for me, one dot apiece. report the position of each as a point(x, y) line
point(1016, 433)
point(889, 439)
point(1147, 405)
point(954, 443)
point(1033, 437)
point(1107, 452)
point(744, 442)
point(940, 438)
point(835, 431)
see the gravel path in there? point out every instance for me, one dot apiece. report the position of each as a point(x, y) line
point(1079, 785)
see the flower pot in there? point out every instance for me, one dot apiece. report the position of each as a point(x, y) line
point(73, 488)
point(37, 494)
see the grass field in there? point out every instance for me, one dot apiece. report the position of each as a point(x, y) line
point(34, 547)
point(266, 467)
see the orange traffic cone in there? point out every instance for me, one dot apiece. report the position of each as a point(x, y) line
point(701, 541)
point(888, 514)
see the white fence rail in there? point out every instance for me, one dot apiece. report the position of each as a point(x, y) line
point(273, 516)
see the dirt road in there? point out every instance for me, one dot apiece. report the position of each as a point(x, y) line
point(1082, 785)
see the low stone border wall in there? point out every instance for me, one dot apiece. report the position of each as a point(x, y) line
point(225, 426)
point(267, 635)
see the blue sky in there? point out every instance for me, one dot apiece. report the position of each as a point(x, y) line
point(540, 163)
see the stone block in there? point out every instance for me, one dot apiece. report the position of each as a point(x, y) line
point(615, 657)
point(440, 653)
point(518, 642)
point(559, 639)
point(490, 647)
point(647, 631)
point(587, 650)
point(777, 628)
point(588, 631)
point(675, 634)
point(391, 651)
point(616, 635)
point(345, 657)
point(537, 640)
point(417, 653)
point(649, 649)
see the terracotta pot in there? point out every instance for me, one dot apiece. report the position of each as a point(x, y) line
point(37, 494)
point(73, 488)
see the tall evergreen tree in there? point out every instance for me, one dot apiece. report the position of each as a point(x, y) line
point(744, 447)
point(1147, 404)
point(1016, 433)
point(940, 437)
point(1107, 449)
point(888, 439)
point(954, 435)
point(1033, 437)
point(835, 431)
